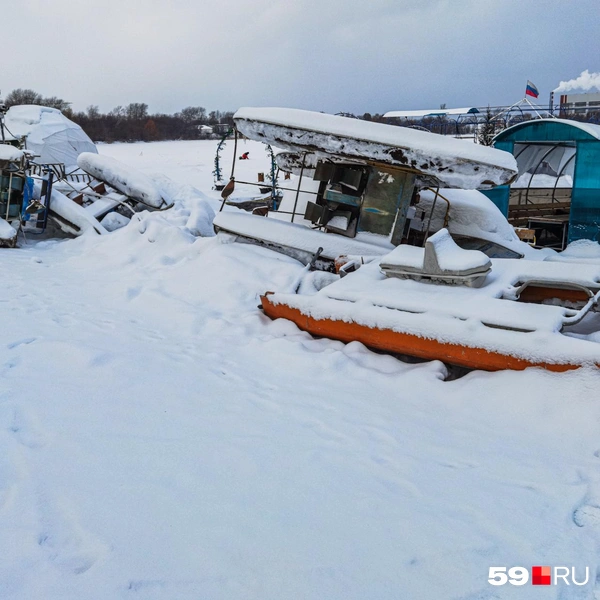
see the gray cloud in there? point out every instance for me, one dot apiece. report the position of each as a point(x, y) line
point(319, 54)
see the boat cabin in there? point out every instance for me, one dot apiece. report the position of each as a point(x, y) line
point(355, 198)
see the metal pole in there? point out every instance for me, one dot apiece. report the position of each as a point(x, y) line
point(10, 179)
point(298, 188)
point(437, 191)
point(234, 153)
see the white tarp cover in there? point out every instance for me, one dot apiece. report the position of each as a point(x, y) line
point(49, 134)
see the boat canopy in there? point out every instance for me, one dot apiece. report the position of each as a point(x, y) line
point(454, 163)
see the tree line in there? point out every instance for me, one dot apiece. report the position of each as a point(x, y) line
point(133, 122)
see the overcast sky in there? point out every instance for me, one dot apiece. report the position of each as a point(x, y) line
point(329, 55)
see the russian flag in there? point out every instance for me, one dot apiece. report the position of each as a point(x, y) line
point(531, 90)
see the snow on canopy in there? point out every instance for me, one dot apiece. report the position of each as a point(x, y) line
point(49, 134)
point(439, 112)
point(455, 163)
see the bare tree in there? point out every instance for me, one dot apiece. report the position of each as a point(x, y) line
point(137, 110)
point(193, 114)
point(93, 112)
point(22, 96)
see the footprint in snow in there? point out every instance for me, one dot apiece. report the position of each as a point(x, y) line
point(24, 425)
point(67, 545)
point(133, 293)
point(587, 515)
point(10, 473)
point(13, 362)
point(22, 342)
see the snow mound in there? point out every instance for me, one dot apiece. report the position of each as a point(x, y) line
point(113, 221)
point(8, 152)
point(582, 249)
point(123, 178)
point(441, 256)
point(7, 232)
point(189, 204)
point(579, 251)
point(451, 257)
point(48, 134)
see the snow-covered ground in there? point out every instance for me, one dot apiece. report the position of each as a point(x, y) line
point(161, 439)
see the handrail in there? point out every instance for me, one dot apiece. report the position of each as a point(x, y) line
point(535, 170)
point(560, 175)
point(437, 192)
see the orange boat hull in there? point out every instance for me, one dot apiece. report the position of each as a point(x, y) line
point(404, 343)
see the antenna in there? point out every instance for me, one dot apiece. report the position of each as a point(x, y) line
point(3, 110)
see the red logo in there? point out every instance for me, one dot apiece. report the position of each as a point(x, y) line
point(541, 576)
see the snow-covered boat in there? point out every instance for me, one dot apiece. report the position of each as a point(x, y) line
point(358, 180)
point(58, 175)
point(12, 186)
point(413, 302)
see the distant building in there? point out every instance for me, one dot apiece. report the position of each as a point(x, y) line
point(205, 131)
point(580, 103)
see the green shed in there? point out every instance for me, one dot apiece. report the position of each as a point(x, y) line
point(559, 177)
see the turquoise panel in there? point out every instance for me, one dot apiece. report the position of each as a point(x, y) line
point(499, 195)
point(543, 131)
point(585, 201)
point(333, 196)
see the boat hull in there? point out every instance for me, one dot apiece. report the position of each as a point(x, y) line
point(396, 342)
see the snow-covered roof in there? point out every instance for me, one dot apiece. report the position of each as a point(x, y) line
point(434, 112)
point(456, 163)
point(49, 134)
point(589, 128)
point(8, 152)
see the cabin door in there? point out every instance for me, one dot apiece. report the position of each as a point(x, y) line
point(385, 202)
